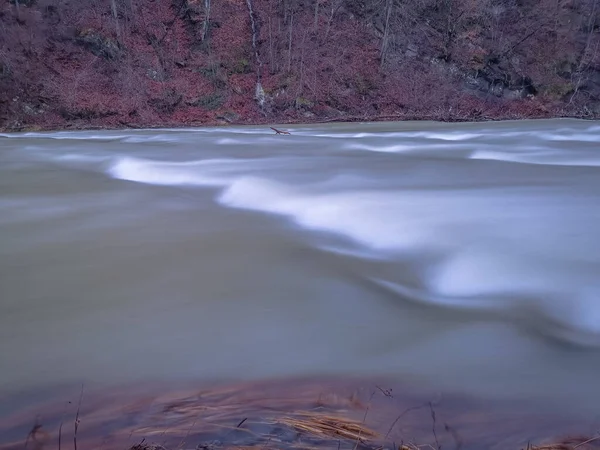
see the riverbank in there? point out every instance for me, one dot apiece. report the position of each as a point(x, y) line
point(290, 414)
point(74, 65)
point(266, 122)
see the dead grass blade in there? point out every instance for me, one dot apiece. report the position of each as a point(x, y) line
point(329, 426)
point(569, 444)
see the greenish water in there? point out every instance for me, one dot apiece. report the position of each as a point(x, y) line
point(466, 256)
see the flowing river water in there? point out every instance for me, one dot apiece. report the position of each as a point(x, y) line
point(464, 256)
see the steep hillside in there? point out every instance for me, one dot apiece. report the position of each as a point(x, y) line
point(86, 63)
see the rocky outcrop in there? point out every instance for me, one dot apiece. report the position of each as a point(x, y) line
point(500, 81)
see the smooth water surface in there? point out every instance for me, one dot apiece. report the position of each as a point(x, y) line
point(466, 255)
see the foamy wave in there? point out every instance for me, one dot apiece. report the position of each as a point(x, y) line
point(571, 137)
point(477, 271)
point(171, 173)
point(452, 136)
point(572, 319)
point(395, 148)
point(230, 141)
point(542, 157)
point(509, 250)
point(360, 215)
point(76, 157)
point(444, 136)
point(150, 139)
point(75, 135)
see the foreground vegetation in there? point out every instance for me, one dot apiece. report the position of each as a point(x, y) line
point(291, 414)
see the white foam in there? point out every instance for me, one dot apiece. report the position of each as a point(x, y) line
point(444, 136)
point(153, 138)
point(506, 249)
point(487, 270)
point(572, 137)
point(543, 157)
point(83, 158)
point(384, 220)
point(354, 253)
point(452, 136)
point(565, 293)
point(230, 141)
point(456, 302)
point(572, 316)
point(75, 135)
point(394, 148)
point(171, 173)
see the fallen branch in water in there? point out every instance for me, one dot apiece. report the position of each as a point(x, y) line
point(279, 131)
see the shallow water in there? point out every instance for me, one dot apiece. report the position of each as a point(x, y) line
point(466, 256)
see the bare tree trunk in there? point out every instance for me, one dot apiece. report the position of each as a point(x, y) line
point(582, 60)
point(115, 14)
point(316, 21)
point(254, 28)
point(291, 27)
point(335, 5)
point(590, 27)
point(301, 84)
point(271, 56)
point(206, 23)
point(18, 10)
point(450, 29)
point(386, 32)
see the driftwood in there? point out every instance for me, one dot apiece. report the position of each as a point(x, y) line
point(279, 131)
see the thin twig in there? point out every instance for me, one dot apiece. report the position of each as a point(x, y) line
point(386, 392)
point(455, 436)
point(188, 432)
point(433, 426)
point(402, 414)
point(364, 419)
point(62, 420)
point(77, 418)
point(34, 429)
point(586, 442)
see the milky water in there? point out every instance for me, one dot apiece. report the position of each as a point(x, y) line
point(466, 256)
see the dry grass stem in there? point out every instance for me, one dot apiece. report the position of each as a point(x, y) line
point(329, 426)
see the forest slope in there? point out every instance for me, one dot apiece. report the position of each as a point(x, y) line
point(138, 63)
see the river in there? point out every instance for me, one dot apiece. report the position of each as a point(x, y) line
point(465, 256)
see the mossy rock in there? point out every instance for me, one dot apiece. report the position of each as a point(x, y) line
point(229, 117)
point(210, 101)
point(98, 44)
point(215, 74)
point(240, 66)
point(303, 103)
point(558, 91)
point(364, 85)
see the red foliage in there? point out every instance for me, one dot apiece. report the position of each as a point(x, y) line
point(72, 63)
